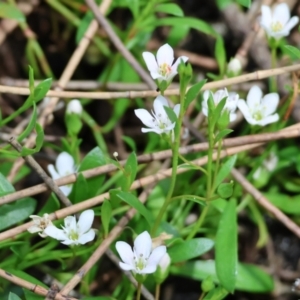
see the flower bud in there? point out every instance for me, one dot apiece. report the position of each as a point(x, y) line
point(74, 107)
point(234, 67)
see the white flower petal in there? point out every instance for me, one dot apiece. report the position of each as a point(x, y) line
point(156, 130)
point(281, 13)
point(232, 117)
point(270, 103)
point(156, 75)
point(156, 255)
point(165, 54)
point(266, 16)
point(268, 120)
point(64, 164)
point(125, 253)
point(143, 244)
point(53, 172)
point(150, 62)
point(148, 270)
point(55, 233)
point(254, 96)
point(34, 229)
point(158, 106)
point(126, 267)
point(86, 237)
point(70, 223)
point(145, 117)
point(177, 62)
point(245, 111)
point(85, 220)
point(66, 189)
point(177, 109)
point(291, 24)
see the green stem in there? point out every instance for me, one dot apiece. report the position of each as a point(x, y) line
point(273, 83)
point(175, 152)
point(138, 295)
point(157, 291)
point(217, 165)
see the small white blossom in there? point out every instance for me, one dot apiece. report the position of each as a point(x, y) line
point(74, 107)
point(64, 166)
point(74, 233)
point(159, 121)
point(39, 224)
point(234, 67)
point(259, 110)
point(141, 259)
point(278, 23)
point(231, 102)
point(161, 68)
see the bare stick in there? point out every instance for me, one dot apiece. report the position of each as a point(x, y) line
point(264, 202)
point(257, 75)
point(288, 132)
point(142, 182)
point(30, 286)
point(48, 180)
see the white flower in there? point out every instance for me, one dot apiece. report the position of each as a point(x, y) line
point(40, 224)
point(234, 67)
point(278, 23)
point(74, 107)
point(161, 68)
point(231, 102)
point(74, 233)
point(64, 165)
point(159, 121)
point(258, 110)
point(141, 259)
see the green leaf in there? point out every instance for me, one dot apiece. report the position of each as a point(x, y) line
point(32, 296)
point(246, 3)
point(189, 249)
point(250, 278)
point(73, 124)
point(170, 8)
point(38, 142)
point(225, 190)
point(130, 170)
point(95, 158)
point(106, 214)
point(193, 23)
point(286, 203)
point(13, 296)
point(52, 204)
point(220, 54)
point(193, 92)
point(16, 212)
point(225, 169)
point(134, 202)
point(217, 293)
point(42, 89)
point(218, 111)
point(30, 125)
point(227, 247)
point(80, 190)
point(293, 50)
point(83, 26)
point(222, 134)
point(171, 114)
point(10, 11)
point(5, 186)
point(31, 80)
point(223, 3)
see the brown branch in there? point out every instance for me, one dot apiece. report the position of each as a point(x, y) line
point(265, 203)
point(48, 180)
point(288, 132)
point(257, 75)
point(30, 286)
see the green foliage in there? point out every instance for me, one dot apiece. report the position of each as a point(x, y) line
point(189, 249)
point(129, 172)
point(106, 214)
point(248, 278)
point(13, 296)
point(217, 293)
point(170, 8)
point(225, 169)
point(193, 92)
point(10, 11)
point(227, 247)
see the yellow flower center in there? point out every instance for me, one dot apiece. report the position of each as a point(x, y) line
point(257, 116)
point(164, 69)
point(140, 263)
point(73, 235)
point(276, 26)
